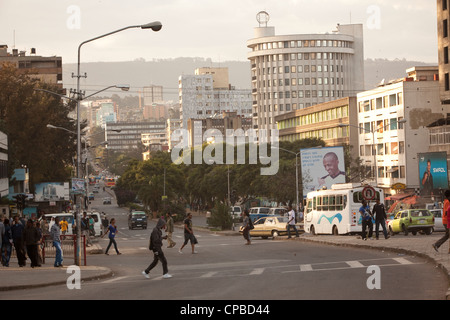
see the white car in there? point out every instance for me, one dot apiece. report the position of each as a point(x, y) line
point(438, 225)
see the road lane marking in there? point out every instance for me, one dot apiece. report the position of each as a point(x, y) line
point(403, 261)
point(209, 274)
point(355, 264)
point(115, 279)
point(305, 267)
point(257, 271)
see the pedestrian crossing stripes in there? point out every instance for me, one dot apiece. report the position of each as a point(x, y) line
point(352, 264)
point(229, 270)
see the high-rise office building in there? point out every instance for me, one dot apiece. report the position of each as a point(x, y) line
point(297, 71)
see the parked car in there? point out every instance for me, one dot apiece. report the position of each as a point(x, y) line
point(107, 200)
point(278, 211)
point(438, 225)
point(269, 227)
point(98, 230)
point(91, 196)
point(413, 220)
point(137, 219)
point(235, 212)
point(69, 217)
point(258, 212)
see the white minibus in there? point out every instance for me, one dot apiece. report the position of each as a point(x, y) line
point(336, 210)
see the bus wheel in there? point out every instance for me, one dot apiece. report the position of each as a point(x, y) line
point(335, 231)
point(312, 231)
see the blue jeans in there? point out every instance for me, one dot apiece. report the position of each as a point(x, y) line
point(59, 255)
point(289, 230)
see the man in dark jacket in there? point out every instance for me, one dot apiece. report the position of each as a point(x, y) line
point(31, 238)
point(17, 235)
point(380, 218)
point(156, 246)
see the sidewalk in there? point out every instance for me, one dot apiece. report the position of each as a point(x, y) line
point(14, 277)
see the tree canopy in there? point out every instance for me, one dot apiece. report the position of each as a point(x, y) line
point(24, 115)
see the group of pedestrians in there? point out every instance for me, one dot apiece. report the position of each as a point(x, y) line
point(27, 240)
point(379, 213)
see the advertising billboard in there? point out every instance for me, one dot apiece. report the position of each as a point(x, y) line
point(322, 167)
point(51, 191)
point(432, 172)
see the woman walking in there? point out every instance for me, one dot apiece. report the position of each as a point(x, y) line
point(112, 229)
point(247, 224)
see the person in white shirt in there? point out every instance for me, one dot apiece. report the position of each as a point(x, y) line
point(291, 222)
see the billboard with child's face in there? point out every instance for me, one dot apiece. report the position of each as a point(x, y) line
point(432, 172)
point(322, 167)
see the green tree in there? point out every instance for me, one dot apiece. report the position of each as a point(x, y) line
point(24, 115)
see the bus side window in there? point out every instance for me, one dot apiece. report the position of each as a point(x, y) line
point(332, 203)
point(309, 206)
point(325, 203)
point(319, 203)
point(339, 202)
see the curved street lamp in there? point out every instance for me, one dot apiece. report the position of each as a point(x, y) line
point(155, 26)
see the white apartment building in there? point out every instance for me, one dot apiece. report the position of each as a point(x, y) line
point(396, 115)
point(202, 96)
point(297, 71)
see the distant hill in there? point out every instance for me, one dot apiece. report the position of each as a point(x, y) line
point(140, 73)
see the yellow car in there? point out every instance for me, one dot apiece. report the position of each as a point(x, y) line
point(269, 227)
point(412, 220)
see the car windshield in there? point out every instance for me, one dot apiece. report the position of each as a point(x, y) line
point(139, 215)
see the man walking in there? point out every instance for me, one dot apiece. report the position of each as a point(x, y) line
point(156, 246)
point(189, 234)
point(380, 218)
point(291, 222)
point(438, 243)
point(169, 230)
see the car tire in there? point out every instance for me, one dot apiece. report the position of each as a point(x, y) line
point(275, 233)
point(405, 230)
point(392, 233)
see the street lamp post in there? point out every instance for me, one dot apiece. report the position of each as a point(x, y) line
point(155, 26)
point(296, 174)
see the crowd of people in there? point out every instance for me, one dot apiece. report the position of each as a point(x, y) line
point(27, 237)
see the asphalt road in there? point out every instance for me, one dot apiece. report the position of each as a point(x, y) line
point(226, 269)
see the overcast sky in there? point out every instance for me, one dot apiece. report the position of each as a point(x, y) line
point(216, 29)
